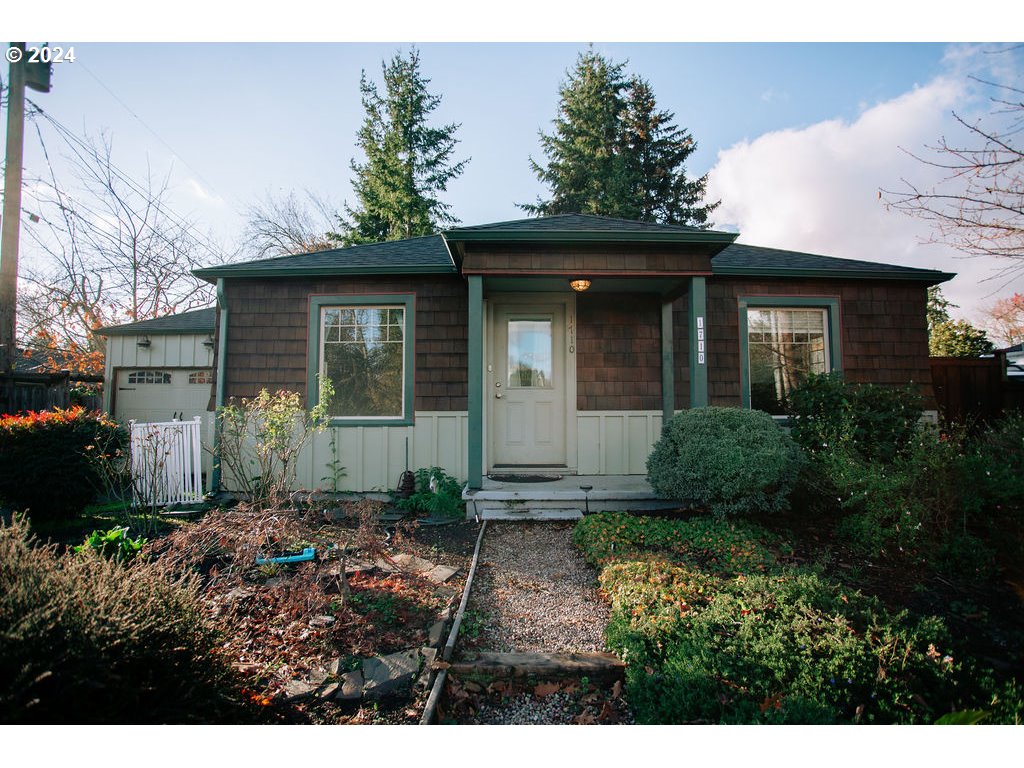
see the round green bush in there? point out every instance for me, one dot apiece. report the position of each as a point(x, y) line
point(728, 460)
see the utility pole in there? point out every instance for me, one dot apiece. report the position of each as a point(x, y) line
point(12, 208)
point(37, 76)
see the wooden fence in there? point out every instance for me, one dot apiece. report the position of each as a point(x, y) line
point(974, 389)
point(21, 392)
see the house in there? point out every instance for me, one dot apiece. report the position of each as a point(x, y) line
point(555, 344)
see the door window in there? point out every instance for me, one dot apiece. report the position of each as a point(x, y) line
point(529, 354)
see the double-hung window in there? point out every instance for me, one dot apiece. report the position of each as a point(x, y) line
point(364, 345)
point(783, 340)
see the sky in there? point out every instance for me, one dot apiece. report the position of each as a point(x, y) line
point(797, 138)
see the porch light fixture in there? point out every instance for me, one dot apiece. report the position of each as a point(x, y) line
point(579, 285)
point(143, 342)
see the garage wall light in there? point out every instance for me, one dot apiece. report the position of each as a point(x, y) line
point(143, 342)
point(208, 342)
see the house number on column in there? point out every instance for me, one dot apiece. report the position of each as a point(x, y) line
point(700, 341)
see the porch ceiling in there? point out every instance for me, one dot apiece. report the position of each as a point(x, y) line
point(666, 286)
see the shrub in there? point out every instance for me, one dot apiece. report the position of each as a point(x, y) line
point(45, 462)
point(87, 640)
point(994, 466)
point(725, 459)
point(876, 422)
point(785, 648)
point(443, 501)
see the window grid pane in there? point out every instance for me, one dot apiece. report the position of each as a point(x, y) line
point(784, 346)
point(363, 354)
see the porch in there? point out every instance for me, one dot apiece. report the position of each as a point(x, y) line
point(562, 499)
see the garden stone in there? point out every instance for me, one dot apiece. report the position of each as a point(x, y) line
point(321, 621)
point(329, 692)
point(429, 656)
point(391, 674)
point(298, 690)
point(441, 573)
point(435, 635)
point(351, 687)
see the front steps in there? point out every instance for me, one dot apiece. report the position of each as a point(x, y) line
point(562, 499)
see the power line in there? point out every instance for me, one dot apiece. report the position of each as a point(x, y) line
point(146, 126)
point(78, 146)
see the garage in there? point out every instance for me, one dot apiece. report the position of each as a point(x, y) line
point(162, 394)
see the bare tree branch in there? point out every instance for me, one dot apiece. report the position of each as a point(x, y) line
point(281, 226)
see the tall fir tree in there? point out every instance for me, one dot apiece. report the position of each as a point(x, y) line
point(614, 153)
point(408, 162)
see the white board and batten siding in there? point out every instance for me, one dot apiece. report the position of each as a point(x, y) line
point(610, 443)
point(616, 442)
point(374, 457)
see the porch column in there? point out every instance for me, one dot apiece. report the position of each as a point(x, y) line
point(668, 364)
point(476, 381)
point(698, 342)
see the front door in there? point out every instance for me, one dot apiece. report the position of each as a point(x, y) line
point(527, 384)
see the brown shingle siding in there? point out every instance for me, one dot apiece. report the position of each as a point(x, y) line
point(268, 333)
point(636, 258)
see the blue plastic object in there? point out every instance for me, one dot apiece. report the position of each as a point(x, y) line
point(307, 554)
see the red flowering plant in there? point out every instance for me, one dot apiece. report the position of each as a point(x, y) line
point(45, 459)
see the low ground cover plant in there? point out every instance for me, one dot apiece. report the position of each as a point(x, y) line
point(766, 642)
point(45, 462)
point(726, 547)
point(726, 460)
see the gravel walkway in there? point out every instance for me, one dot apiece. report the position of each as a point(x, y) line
point(534, 592)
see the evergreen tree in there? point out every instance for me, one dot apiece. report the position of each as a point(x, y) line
point(614, 153)
point(584, 167)
point(656, 152)
point(952, 338)
point(408, 162)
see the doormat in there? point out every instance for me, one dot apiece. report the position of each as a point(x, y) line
point(524, 478)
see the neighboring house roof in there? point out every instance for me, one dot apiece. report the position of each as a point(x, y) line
point(741, 259)
point(577, 227)
point(431, 254)
point(416, 255)
point(196, 321)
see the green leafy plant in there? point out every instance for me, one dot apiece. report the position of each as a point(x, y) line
point(260, 440)
point(114, 544)
point(727, 460)
point(876, 422)
point(437, 495)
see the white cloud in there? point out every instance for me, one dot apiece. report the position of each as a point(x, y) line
point(817, 188)
point(199, 191)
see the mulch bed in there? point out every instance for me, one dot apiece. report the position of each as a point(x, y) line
point(285, 624)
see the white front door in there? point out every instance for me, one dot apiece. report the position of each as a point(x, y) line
point(527, 384)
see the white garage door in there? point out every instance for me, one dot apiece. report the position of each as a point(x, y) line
point(162, 394)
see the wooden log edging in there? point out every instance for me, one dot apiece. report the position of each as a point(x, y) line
point(430, 709)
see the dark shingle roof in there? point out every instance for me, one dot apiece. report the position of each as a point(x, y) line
point(416, 255)
point(196, 321)
point(742, 259)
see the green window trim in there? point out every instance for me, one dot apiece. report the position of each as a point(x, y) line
point(406, 300)
point(828, 303)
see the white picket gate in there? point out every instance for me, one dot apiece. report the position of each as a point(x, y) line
point(167, 462)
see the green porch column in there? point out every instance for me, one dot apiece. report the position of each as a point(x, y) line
point(698, 342)
point(668, 364)
point(476, 381)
